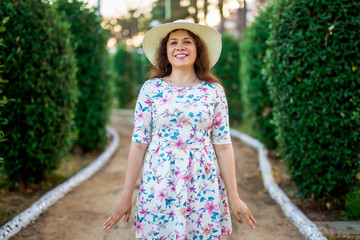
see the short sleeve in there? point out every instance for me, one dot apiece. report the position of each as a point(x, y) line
point(220, 124)
point(142, 117)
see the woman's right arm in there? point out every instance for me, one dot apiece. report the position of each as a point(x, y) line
point(136, 155)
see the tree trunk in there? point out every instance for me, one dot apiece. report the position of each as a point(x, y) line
point(195, 15)
point(241, 18)
point(221, 11)
point(206, 4)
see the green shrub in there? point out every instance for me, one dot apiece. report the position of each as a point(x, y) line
point(142, 67)
point(40, 68)
point(314, 77)
point(3, 99)
point(227, 69)
point(352, 209)
point(125, 77)
point(256, 98)
point(94, 80)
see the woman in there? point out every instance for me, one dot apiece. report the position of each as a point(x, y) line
point(190, 159)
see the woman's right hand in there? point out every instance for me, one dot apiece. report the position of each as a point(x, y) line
point(121, 210)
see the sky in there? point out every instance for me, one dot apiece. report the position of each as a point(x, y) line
point(117, 8)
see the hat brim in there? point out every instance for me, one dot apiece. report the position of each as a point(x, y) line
point(210, 37)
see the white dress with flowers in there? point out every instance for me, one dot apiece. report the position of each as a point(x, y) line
point(182, 195)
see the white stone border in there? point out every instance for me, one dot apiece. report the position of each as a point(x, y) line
point(306, 227)
point(32, 213)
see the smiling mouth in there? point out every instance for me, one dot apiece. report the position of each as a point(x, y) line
point(181, 56)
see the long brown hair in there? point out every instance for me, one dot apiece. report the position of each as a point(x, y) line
point(201, 65)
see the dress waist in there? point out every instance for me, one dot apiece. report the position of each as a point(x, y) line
point(180, 143)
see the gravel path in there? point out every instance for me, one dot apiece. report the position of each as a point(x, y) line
point(81, 213)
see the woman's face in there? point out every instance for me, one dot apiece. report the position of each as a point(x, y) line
point(181, 49)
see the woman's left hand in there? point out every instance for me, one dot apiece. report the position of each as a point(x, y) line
point(238, 207)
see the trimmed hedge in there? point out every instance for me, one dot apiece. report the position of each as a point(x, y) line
point(3, 98)
point(228, 70)
point(40, 68)
point(93, 75)
point(125, 82)
point(256, 98)
point(142, 67)
point(313, 73)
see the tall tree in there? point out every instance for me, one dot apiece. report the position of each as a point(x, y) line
point(221, 12)
point(206, 5)
point(241, 18)
point(195, 14)
point(177, 11)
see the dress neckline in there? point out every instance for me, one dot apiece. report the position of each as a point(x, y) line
point(189, 87)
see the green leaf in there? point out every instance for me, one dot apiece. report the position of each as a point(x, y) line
point(5, 20)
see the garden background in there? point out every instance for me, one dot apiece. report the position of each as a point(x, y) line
point(291, 76)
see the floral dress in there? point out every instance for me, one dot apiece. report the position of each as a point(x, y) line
point(182, 195)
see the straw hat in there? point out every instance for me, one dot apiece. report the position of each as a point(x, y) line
point(210, 37)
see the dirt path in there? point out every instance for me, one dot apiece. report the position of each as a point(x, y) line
point(81, 213)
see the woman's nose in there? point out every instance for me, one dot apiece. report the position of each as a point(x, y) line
point(180, 46)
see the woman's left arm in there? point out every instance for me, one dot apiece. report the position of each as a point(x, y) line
point(226, 159)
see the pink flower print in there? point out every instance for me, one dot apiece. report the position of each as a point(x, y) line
point(140, 115)
point(192, 136)
point(207, 106)
point(207, 150)
point(179, 197)
point(171, 183)
point(189, 209)
point(194, 129)
point(179, 143)
point(203, 89)
point(171, 214)
point(157, 151)
point(211, 207)
point(162, 195)
point(183, 211)
point(198, 222)
point(167, 114)
point(207, 229)
point(148, 102)
point(164, 100)
point(179, 237)
point(158, 179)
point(191, 199)
point(226, 231)
point(177, 173)
point(180, 91)
point(183, 121)
point(143, 211)
point(208, 168)
point(217, 122)
point(186, 177)
point(139, 227)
